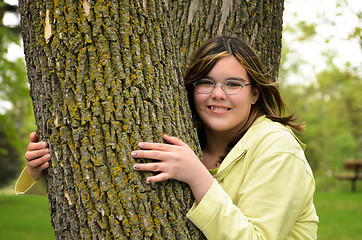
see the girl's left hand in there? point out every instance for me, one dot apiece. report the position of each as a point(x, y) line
point(176, 160)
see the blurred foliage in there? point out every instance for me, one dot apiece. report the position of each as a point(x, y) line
point(10, 157)
point(357, 33)
point(330, 105)
point(16, 115)
point(332, 111)
point(308, 30)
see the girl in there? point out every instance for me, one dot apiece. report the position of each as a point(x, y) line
point(253, 181)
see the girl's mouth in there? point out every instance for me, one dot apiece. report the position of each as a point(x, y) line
point(215, 108)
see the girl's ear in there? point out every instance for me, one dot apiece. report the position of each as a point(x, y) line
point(254, 95)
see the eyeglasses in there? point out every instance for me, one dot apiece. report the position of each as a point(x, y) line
point(231, 87)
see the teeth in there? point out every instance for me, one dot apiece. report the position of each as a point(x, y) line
point(218, 108)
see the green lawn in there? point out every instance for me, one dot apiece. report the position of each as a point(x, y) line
point(27, 217)
point(340, 215)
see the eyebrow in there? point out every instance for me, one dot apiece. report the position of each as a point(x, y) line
point(230, 78)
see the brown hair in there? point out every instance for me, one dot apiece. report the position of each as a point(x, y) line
point(269, 103)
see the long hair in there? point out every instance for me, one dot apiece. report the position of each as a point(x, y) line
point(269, 103)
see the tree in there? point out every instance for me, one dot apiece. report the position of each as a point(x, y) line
point(106, 75)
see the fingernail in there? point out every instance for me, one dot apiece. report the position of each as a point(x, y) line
point(136, 167)
point(47, 156)
point(134, 153)
point(148, 180)
point(141, 145)
point(43, 144)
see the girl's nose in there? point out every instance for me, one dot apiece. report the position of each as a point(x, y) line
point(218, 92)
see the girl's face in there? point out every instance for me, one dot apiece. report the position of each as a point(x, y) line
point(219, 111)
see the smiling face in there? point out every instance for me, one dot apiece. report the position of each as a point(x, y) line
point(219, 111)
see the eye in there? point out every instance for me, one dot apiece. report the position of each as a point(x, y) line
point(205, 82)
point(233, 84)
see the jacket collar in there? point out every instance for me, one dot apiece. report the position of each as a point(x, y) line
point(240, 149)
point(236, 153)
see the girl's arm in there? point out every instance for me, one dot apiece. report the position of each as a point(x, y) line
point(266, 194)
point(269, 200)
point(37, 159)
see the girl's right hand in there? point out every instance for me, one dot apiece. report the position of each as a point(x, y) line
point(37, 157)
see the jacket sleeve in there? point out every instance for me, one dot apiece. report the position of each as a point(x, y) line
point(218, 218)
point(27, 186)
point(276, 189)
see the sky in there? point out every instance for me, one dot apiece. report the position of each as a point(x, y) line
point(333, 24)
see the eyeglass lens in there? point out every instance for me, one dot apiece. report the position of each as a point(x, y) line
point(229, 86)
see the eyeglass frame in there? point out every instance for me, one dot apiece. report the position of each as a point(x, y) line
point(221, 84)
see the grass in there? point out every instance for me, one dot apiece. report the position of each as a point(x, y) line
point(340, 215)
point(27, 217)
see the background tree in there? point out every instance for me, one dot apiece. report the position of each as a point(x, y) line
point(105, 75)
point(331, 109)
point(8, 8)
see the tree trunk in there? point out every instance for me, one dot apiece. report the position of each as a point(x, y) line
point(105, 75)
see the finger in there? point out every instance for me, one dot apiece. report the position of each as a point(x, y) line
point(30, 155)
point(33, 137)
point(37, 146)
point(151, 154)
point(158, 178)
point(162, 146)
point(154, 146)
point(150, 167)
point(38, 161)
point(44, 165)
point(173, 140)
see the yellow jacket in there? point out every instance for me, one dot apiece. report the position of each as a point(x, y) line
point(26, 185)
point(263, 189)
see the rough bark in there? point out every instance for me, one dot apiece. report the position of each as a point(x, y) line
point(105, 75)
point(258, 22)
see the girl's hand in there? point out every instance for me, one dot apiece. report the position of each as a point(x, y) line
point(175, 161)
point(37, 157)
